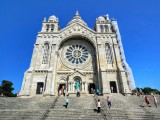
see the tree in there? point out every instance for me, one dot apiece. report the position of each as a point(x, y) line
point(6, 88)
point(147, 90)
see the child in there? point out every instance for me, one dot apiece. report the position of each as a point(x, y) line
point(109, 102)
point(98, 106)
point(67, 101)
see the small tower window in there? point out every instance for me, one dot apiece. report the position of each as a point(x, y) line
point(101, 28)
point(52, 28)
point(47, 28)
point(106, 28)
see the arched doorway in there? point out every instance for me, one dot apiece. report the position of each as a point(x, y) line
point(113, 87)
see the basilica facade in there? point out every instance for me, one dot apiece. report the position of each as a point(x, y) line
point(78, 57)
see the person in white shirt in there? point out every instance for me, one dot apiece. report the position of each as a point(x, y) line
point(109, 102)
point(155, 101)
point(41, 90)
point(99, 106)
point(60, 92)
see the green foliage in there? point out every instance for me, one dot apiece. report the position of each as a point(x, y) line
point(6, 88)
point(148, 90)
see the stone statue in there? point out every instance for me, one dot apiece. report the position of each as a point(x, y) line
point(77, 85)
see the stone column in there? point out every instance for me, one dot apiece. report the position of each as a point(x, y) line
point(98, 71)
point(86, 86)
point(69, 86)
point(117, 87)
point(82, 86)
point(105, 78)
point(48, 80)
point(26, 86)
point(54, 74)
point(73, 87)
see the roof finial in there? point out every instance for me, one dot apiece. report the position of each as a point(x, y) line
point(44, 20)
point(77, 13)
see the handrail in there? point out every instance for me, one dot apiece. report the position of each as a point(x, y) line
point(104, 111)
point(44, 116)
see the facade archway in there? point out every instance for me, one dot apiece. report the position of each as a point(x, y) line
point(76, 36)
point(78, 54)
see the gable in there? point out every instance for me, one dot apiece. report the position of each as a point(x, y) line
point(77, 29)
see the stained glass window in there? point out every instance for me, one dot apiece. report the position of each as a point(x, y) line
point(77, 54)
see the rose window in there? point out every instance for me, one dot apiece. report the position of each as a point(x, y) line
point(77, 54)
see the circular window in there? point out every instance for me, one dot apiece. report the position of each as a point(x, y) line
point(76, 54)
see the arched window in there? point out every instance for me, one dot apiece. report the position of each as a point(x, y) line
point(108, 53)
point(106, 28)
point(101, 28)
point(52, 28)
point(45, 53)
point(47, 28)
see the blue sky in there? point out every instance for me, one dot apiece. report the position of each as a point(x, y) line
point(139, 23)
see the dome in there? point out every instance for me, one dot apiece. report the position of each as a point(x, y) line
point(101, 19)
point(53, 18)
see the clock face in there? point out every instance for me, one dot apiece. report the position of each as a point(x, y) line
point(76, 54)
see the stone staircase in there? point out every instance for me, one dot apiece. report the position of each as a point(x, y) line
point(23, 109)
point(128, 108)
point(79, 108)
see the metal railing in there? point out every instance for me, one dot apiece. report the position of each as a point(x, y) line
point(52, 105)
point(104, 111)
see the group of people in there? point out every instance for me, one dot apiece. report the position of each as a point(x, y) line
point(109, 102)
point(99, 104)
point(148, 101)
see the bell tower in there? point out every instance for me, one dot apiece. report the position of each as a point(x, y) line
point(103, 24)
point(51, 25)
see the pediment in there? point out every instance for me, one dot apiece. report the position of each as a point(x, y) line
point(77, 73)
point(77, 29)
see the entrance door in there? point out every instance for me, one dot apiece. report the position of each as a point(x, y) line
point(113, 87)
point(39, 88)
point(91, 88)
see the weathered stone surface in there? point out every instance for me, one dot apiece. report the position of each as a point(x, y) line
point(93, 57)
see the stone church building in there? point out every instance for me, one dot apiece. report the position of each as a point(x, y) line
point(78, 56)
